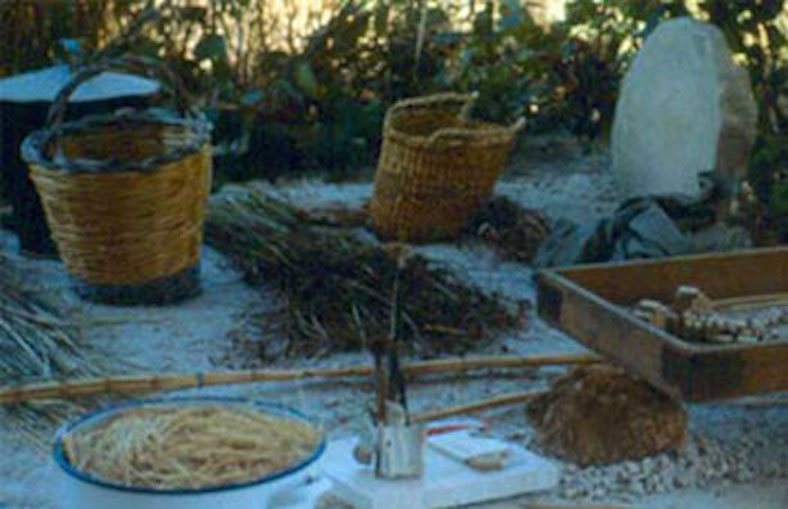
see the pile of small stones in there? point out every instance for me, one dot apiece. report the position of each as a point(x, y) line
point(698, 465)
point(738, 452)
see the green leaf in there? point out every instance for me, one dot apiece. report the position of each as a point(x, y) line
point(72, 47)
point(447, 38)
point(193, 14)
point(211, 46)
point(777, 39)
point(252, 97)
point(513, 15)
point(147, 48)
point(305, 79)
point(381, 18)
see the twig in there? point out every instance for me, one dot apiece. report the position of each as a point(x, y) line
point(135, 384)
point(541, 505)
point(509, 399)
point(758, 401)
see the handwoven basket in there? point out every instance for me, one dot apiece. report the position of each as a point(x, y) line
point(124, 195)
point(436, 167)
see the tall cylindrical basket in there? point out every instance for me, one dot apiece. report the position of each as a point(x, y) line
point(436, 167)
point(124, 194)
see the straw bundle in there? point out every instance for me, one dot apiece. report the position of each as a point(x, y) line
point(193, 447)
point(35, 340)
point(36, 343)
point(338, 283)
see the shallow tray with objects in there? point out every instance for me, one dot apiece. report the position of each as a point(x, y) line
point(602, 306)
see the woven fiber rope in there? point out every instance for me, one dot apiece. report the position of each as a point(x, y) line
point(436, 167)
point(124, 196)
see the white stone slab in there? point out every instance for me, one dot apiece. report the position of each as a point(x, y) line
point(305, 497)
point(446, 482)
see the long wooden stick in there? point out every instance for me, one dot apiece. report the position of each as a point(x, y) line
point(541, 505)
point(134, 384)
point(508, 399)
point(751, 301)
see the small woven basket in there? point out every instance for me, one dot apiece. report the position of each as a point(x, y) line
point(436, 167)
point(124, 195)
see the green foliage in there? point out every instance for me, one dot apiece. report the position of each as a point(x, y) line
point(768, 175)
point(30, 31)
point(752, 30)
point(286, 101)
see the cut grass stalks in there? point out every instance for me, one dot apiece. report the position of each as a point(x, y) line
point(337, 281)
point(35, 340)
point(37, 343)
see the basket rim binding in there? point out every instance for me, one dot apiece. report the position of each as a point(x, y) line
point(482, 133)
point(34, 145)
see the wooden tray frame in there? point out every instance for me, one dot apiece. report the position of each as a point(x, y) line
point(587, 302)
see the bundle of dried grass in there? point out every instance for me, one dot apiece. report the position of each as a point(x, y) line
point(194, 447)
point(338, 282)
point(36, 343)
point(35, 340)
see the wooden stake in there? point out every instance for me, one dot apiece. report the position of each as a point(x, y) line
point(135, 384)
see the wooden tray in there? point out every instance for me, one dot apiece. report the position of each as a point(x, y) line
point(587, 302)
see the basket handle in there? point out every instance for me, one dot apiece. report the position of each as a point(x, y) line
point(134, 64)
point(464, 132)
point(464, 100)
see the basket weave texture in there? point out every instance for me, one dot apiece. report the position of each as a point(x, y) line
point(124, 195)
point(127, 228)
point(436, 167)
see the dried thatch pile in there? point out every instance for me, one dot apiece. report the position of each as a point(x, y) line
point(338, 282)
point(36, 341)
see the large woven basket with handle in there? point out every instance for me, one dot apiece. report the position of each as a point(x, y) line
point(436, 167)
point(124, 194)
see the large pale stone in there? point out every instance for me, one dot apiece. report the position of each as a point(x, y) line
point(684, 108)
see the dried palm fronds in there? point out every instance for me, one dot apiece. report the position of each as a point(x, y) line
point(338, 282)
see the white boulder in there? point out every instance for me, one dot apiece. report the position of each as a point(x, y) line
point(684, 108)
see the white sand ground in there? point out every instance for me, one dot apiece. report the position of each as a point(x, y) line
point(737, 457)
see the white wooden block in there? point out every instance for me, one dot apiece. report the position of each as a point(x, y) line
point(464, 447)
point(446, 481)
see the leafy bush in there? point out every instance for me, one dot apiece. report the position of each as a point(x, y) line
point(285, 100)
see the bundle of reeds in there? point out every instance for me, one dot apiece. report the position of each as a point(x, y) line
point(36, 341)
point(338, 282)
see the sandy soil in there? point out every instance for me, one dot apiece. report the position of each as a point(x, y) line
point(737, 456)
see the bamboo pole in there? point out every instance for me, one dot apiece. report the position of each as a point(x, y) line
point(135, 384)
point(478, 406)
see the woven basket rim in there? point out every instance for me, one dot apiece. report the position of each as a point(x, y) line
point(482, 132)
point(34, 145)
